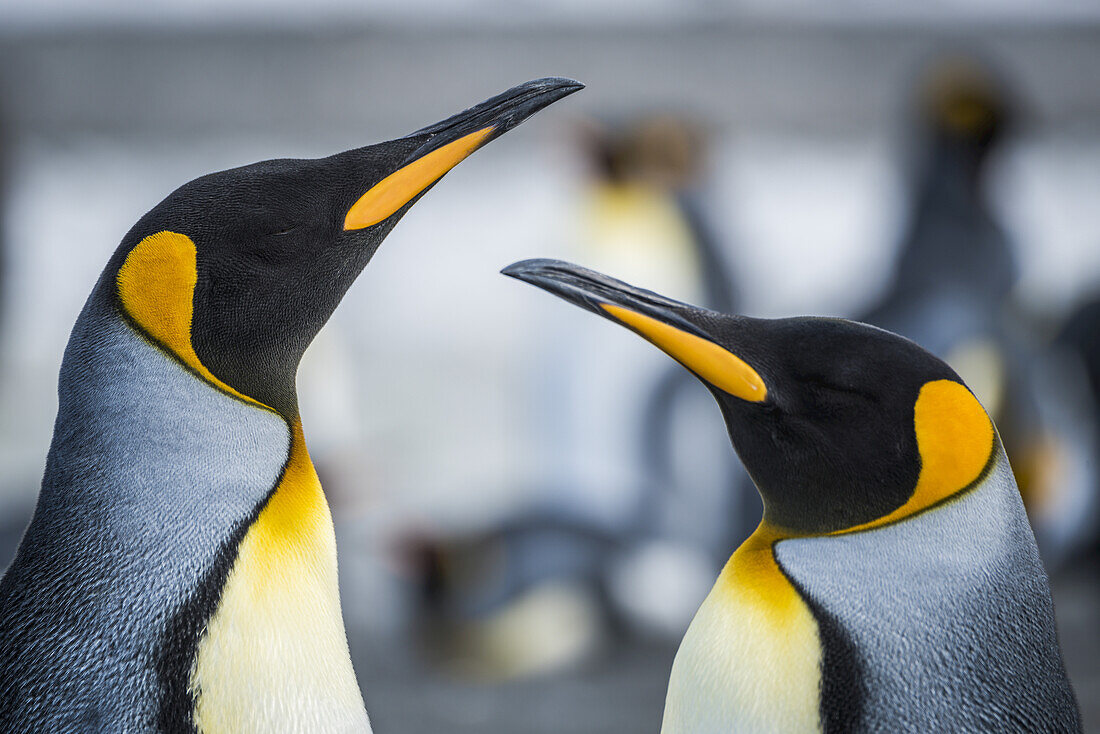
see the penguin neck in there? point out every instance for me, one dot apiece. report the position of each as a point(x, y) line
point(202, 516)
point(295, 522)
point(752, 646)
point(153, 478)
point(276, 645)
point(754, 570)
point(955, 172)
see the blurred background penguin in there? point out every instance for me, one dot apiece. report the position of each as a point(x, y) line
point(953, 291)
point(632, 516)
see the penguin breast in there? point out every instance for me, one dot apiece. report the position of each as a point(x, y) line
point(750, 660)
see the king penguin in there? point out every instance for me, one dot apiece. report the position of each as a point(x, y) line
point(893, 584)
point(179, 574)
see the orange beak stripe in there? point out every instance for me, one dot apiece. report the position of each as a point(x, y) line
point(404, 184)
point(718, 366)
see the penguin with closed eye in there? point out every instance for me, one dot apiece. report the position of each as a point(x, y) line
point(893, 583)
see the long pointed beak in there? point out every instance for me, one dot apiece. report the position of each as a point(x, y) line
point(449, 142)
point(678, 329)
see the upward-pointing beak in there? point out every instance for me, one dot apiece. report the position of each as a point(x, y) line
point(676, 328)
point(449, 142)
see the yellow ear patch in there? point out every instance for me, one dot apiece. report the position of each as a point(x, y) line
point(156, 285)
point(955, 440)
point(395, 190)
point(716, 365)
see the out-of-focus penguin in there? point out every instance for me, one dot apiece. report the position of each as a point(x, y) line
point(647, 216)
point(647, 212)
point(539, 590)
point(952, 292)
point(893, 583)
point(955, 271)
point(179, 574)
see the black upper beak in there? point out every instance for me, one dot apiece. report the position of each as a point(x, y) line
point(680, 330)
point(447, 143)
point(592, 291)
point(501, 113)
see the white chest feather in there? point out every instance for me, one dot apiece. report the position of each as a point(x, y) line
point(275, 657)
point(750, 661)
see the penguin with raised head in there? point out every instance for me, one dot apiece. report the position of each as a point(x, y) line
point(179, 574)
point(893, 583)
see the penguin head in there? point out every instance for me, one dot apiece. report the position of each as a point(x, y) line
point(965, 107)
point(235, 272)
point(842, 426)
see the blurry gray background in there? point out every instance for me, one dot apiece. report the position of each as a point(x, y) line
point(418, 395)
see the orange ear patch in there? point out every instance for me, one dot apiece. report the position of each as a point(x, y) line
point(718, 366)
point(156, 285)
point(955, 440)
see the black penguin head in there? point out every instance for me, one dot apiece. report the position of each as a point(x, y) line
point(841, 425)
point(235, 272)
point(966, 108)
